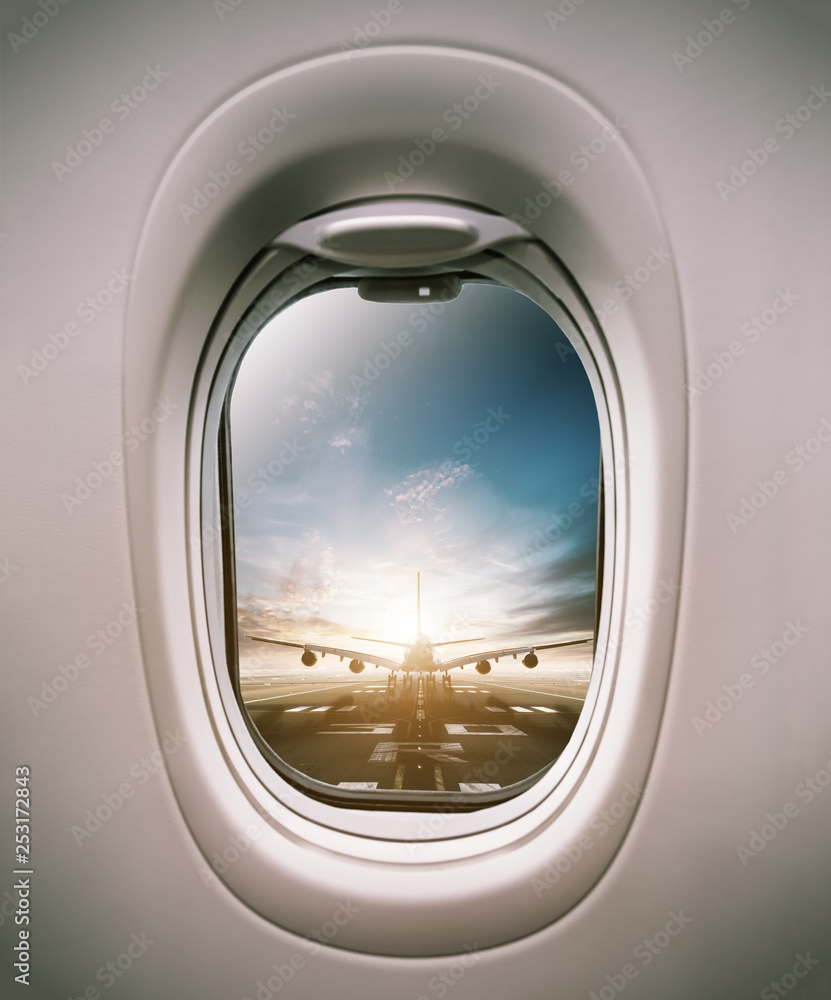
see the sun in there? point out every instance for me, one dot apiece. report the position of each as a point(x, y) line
point(394, 622)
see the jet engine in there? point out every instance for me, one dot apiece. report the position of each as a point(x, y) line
point(308, 659)
point(356, 666)
point(483, 667)
point(531, 660)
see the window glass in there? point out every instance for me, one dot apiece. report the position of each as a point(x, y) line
point(415, 486)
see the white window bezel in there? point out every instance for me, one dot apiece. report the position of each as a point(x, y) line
point(226, 346)
point(414, 899)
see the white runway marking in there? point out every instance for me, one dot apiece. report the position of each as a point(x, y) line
point(477, 786)
point(456, 729)
point(387, 753)
point(357, 784)
point(321, 708)
point(294, 694)
point(510, 687)
point(358, 729)
point(544, 708)
point(519, 708)
point(349, 708)
point(491, 708)
point(299, 708)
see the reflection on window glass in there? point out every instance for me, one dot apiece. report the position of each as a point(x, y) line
point(416, 519)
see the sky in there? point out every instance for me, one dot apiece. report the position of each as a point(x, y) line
point(372, 441)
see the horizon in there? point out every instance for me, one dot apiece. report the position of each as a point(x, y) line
point(449, 458)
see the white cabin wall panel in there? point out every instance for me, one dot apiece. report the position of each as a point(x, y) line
point(64, 238)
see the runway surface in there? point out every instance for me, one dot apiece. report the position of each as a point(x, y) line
point(469, 734)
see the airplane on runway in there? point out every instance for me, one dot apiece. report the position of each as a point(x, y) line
point(418, 654)
point(650, 176)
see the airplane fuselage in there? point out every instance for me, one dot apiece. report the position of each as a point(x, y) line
point(419, 657)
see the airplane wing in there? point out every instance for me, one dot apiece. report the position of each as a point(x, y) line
point(568, 642)
point(381, 661)
point(496, 654)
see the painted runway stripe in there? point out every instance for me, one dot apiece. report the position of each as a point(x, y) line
point(457, 729)
point(387, 753)
point(295, 694)
point(299, 708)
point(510, 687)
point(359, 730)
point(543, 708)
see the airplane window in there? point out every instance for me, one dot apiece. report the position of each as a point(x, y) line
point(415, 492)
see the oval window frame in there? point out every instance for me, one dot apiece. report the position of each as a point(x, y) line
point(227, 345)
point(428, 900)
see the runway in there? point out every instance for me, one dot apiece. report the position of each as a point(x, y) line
point(465, 734)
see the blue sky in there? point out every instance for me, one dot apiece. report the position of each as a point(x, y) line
point(371, 441)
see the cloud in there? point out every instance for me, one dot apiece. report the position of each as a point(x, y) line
point(341, 443)
point(373, 495)
point(568, 586)
point(297, 594)
point(418, 493)
point(348, 436)
point(313, 399)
